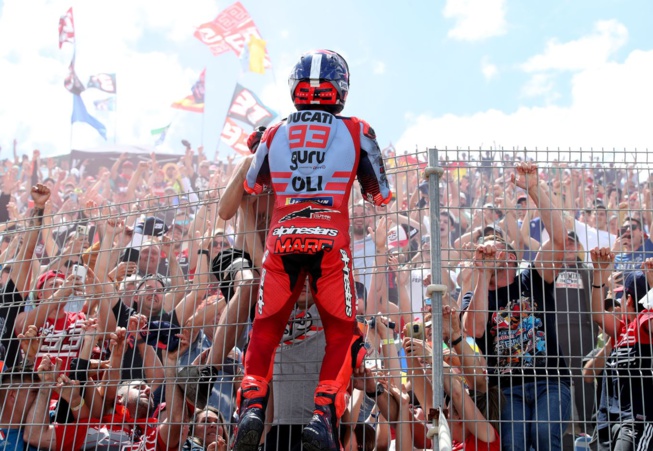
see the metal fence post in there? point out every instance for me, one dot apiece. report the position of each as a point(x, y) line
point(440, 426)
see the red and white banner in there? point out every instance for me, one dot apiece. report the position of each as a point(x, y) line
point(235, 137)
point(248, 108)
point(67, 28)
point(230, 30)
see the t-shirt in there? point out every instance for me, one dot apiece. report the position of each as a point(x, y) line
point(62, 338)
point(573, 295)
point(473, 444)
point(113, 433)
point(11, 304)
point(520, 341)
point(536, 229)
point(627, 391)
point(12, 440)
point(132, 362)
point(631, 261)
point(297, 365)
point(364, 253)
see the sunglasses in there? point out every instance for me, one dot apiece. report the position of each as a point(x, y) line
point(627, 229)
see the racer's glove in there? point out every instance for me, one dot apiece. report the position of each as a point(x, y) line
point(255, 138)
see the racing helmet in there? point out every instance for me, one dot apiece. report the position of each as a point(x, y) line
point(321, 77)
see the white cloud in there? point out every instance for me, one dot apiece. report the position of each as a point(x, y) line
point(610, 108)
point(538, 85)
point(588, 51)
point(476, 19)
point(36, 108)
point(489, 69)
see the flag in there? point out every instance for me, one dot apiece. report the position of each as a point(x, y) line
point(248, 108)
point(72, 83)
point(80, 114)
point(108, 104)
point(230, 30)
point(195, 101)
point(103, 82)
point(257, 50)
point(235, 137)
point(161, 133)
point(67, 28)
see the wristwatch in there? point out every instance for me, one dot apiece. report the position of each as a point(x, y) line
point(379, 391)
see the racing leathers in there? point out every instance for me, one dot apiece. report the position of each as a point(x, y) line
point(310, 161)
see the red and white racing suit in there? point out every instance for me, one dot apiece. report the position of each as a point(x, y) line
point(310, 161)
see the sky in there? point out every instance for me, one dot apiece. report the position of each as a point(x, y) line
point(448, 74)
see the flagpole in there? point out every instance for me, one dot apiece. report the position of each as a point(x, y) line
point(70, 139)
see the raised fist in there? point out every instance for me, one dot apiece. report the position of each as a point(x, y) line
point(526, 177)
point(255, 138)
point(40, 194)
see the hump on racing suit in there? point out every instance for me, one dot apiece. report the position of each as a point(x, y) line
point(313, 156)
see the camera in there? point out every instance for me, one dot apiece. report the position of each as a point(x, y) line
point(372, 323)
point(414, 330)
point(81, 230)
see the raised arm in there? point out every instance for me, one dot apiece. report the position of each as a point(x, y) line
point(476, 314)
point(20, 270)
point(233, 193)
point(170, 432)
point(37, 430)
point(526, 178)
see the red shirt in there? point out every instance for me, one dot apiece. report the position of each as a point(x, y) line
point(61, 338)
point(473, 444)
point(113, 430)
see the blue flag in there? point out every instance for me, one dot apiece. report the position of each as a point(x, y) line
point(80, 114)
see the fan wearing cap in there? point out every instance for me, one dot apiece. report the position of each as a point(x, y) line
point(627, 399)
point(152, 293)
point(513, 315)
point(60, 330)
point(122, 171)
point(632, 246)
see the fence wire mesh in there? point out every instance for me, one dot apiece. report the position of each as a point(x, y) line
point(128, 295)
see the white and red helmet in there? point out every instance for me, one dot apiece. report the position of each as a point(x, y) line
point(321, 77)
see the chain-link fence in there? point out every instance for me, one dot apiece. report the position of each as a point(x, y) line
point(506, 291)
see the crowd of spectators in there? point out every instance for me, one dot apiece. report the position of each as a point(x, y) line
point(128, 293)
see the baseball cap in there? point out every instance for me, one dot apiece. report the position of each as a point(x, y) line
point(47, 276)
point(573, 236)
point(151, 226)
point(493, 229)
point(636, 286)
point(397, 237)
point(647, 301)
point(157, 277)
point(424, 187)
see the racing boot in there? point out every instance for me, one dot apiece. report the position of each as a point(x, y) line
point(252, 401)
point(321, 433)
